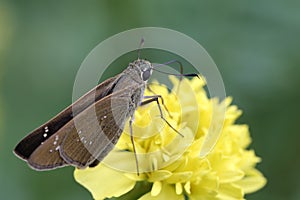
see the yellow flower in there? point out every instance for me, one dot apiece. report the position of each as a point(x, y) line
point(174, 167)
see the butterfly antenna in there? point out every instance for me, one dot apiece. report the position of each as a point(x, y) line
point(178, 75)
point(140, 47)
point(171, 62)
point(181, 75)
point(181, 70)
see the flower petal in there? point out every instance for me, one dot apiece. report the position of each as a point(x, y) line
point(187, 187)
point(103, 182)
point(231, 176)
point(178, 188)
point(252, 183)
point(179, 177)
point(156, 188)
point(167, 192)
point(230, 192)
point(159, 175)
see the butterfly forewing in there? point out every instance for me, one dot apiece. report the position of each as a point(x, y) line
point(30, 143)
point(97, 130)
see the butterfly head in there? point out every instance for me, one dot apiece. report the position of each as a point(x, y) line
point(145, 68)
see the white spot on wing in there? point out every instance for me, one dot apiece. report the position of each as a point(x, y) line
point(46, 129)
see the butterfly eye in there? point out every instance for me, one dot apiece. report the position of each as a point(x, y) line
point(146, 74)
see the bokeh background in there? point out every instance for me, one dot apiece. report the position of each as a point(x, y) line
point(255, 44)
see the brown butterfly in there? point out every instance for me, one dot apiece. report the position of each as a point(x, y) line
point(86, 131)
point(61, 142)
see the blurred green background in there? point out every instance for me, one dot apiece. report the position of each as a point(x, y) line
point(255, 44)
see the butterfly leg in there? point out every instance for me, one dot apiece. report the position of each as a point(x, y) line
point(133, 145)
point(155, 98)
point(160, 97)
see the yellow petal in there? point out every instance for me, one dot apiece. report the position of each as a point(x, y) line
point(187, 187)
point(156, 188)
point(210, 182)
point(231, 175)
point(179, 177)
point(178, 188)
point(103, 182)
point(252, 183)
point(230, 192)
point(167, 192)
point(215, 129)
point(199, 193)
point(122, 161)
point(159, 175)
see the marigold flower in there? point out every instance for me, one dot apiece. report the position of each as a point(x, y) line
point(175, 167)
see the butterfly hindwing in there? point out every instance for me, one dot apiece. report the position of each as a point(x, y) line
point(97, 130)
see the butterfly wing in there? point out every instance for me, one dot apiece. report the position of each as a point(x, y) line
point(46, 156)
point(89, 137)
point(40, 135)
